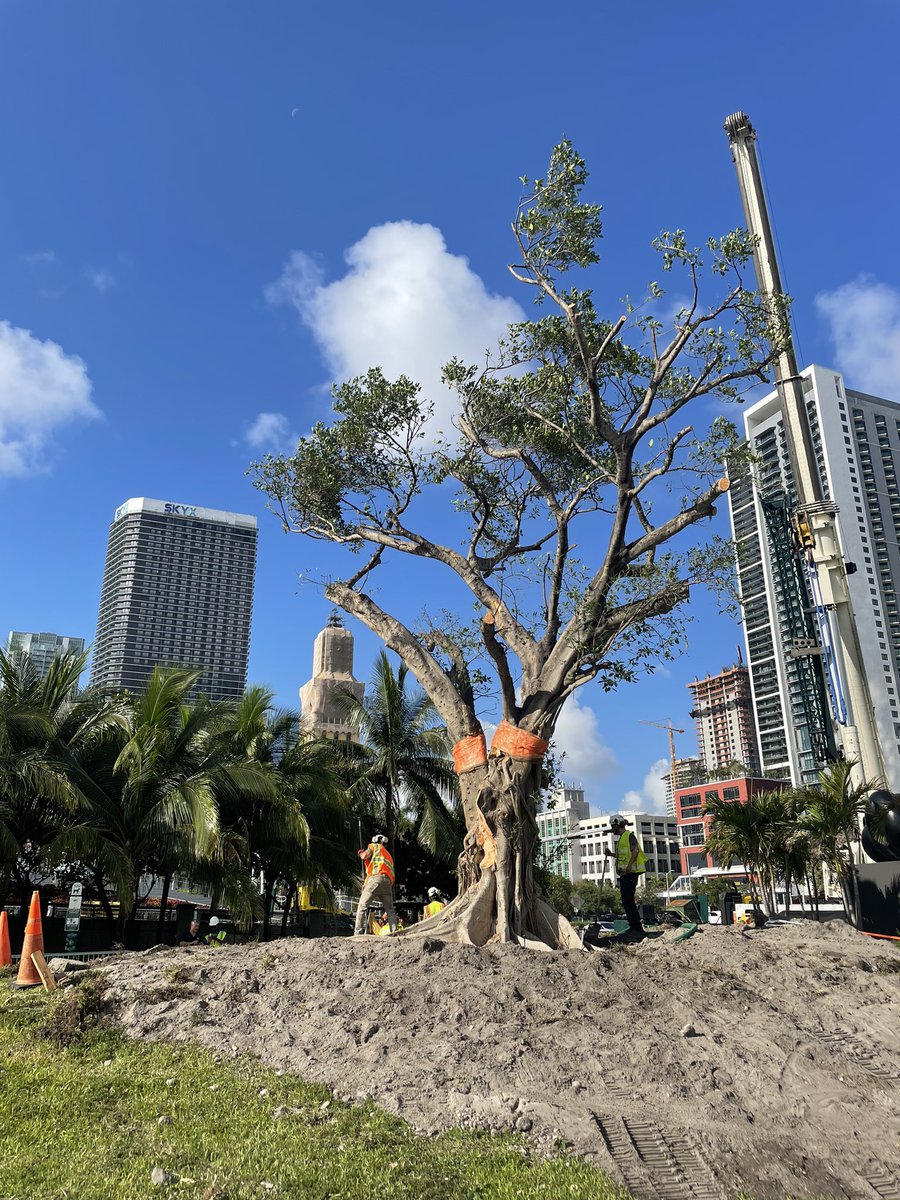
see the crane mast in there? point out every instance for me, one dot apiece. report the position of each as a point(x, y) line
point(836, 661)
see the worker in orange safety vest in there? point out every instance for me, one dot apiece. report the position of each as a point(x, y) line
point(379, 883)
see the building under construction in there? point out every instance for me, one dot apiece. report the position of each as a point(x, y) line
point(722, 711)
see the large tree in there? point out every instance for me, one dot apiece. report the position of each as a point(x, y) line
point(574, 466)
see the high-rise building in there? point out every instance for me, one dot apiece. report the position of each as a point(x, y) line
point(321, 709)
point(723, 717)
point(177, 591)
point(656, 833)
point(856, 439)
point(42, 648)
point(558, 831)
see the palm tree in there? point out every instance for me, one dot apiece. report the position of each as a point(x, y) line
point(43, 722)
point(299, 833)
point(832, 809)
point(403, 760)
point(747, 833)
point(154, 790)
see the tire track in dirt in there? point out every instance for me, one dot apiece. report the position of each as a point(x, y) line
point(655, 1165)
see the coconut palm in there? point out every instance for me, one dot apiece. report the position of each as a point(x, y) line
point(402, 756)
point(43, 723)
point(299, 834)
point(155, 790)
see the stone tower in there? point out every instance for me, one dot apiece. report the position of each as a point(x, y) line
point(332, 673)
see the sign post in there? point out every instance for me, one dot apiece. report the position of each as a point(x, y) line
point(73, 918)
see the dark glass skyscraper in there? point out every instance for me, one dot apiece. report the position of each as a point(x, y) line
point(177, 591)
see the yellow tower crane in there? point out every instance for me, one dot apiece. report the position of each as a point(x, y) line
point(671, 730)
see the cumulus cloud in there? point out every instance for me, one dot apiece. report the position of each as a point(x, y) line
point(405, 304)
point(652, 796)
point(272, 432)
point(101, 279)
point(864, 319)
point(588, 760)
point(41, 389)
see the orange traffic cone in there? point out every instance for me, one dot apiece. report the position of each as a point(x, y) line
point(34, 940)
point(5, 953)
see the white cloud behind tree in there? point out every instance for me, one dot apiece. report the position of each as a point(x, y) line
point(404, 304)
point(42, 388)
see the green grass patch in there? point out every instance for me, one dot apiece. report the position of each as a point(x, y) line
point(82, 1109)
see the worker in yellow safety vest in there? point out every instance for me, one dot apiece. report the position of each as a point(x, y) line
point(379, 884)
point(435, 903)
point(631, 863)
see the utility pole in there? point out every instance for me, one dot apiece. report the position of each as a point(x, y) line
point(671, 730)
point(836, 661)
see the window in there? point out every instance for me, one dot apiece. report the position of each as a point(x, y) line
point(731, 793)
point(693, 835)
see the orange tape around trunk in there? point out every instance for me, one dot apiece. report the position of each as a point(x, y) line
point(469, 753)
point(516, 743)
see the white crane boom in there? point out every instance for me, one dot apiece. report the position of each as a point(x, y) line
point(815, 518)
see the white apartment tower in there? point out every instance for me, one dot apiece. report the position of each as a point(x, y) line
point(558, 831)
point(856, 439)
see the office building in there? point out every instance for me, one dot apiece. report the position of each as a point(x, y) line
point(177, 591)
point(558, 831)
point(856, 439)
point(722, 710)
point(657, 834)
point(694, 825)
point(42, 648)
point(321, 710)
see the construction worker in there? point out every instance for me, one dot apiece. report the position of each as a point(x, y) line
point(435, 903)
point(631, 862)
point(379, 883)
point(216, 936)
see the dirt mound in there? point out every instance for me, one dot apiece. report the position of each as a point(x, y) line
point(766, 1061)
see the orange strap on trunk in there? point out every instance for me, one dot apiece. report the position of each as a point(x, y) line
point(469, 753)
point(516, 743)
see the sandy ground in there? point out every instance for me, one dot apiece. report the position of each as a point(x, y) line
point(788, 1084)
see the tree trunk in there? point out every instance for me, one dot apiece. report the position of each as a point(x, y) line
point(267, 909)
point(388, 814)
point(105, 904)
point(498, 898)
point(289, 900)
point(163, 907)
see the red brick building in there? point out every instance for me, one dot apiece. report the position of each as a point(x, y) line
point(693, 826)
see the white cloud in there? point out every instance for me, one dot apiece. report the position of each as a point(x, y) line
point(41, 388)
point(652, 795)
point(101, 279)
point(864, 317)
point(588, 760)
point(39, 258)
point(405, 304)
point(272, 432)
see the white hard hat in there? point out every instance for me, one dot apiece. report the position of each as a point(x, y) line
point(618, 819)
point(433, 892)
point(379, 837)
point(213, 920)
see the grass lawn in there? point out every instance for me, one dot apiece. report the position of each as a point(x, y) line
point(81, 1120)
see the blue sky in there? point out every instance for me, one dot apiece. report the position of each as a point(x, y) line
point(157, 185)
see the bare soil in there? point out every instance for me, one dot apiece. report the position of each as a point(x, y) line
point(788, 1084)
